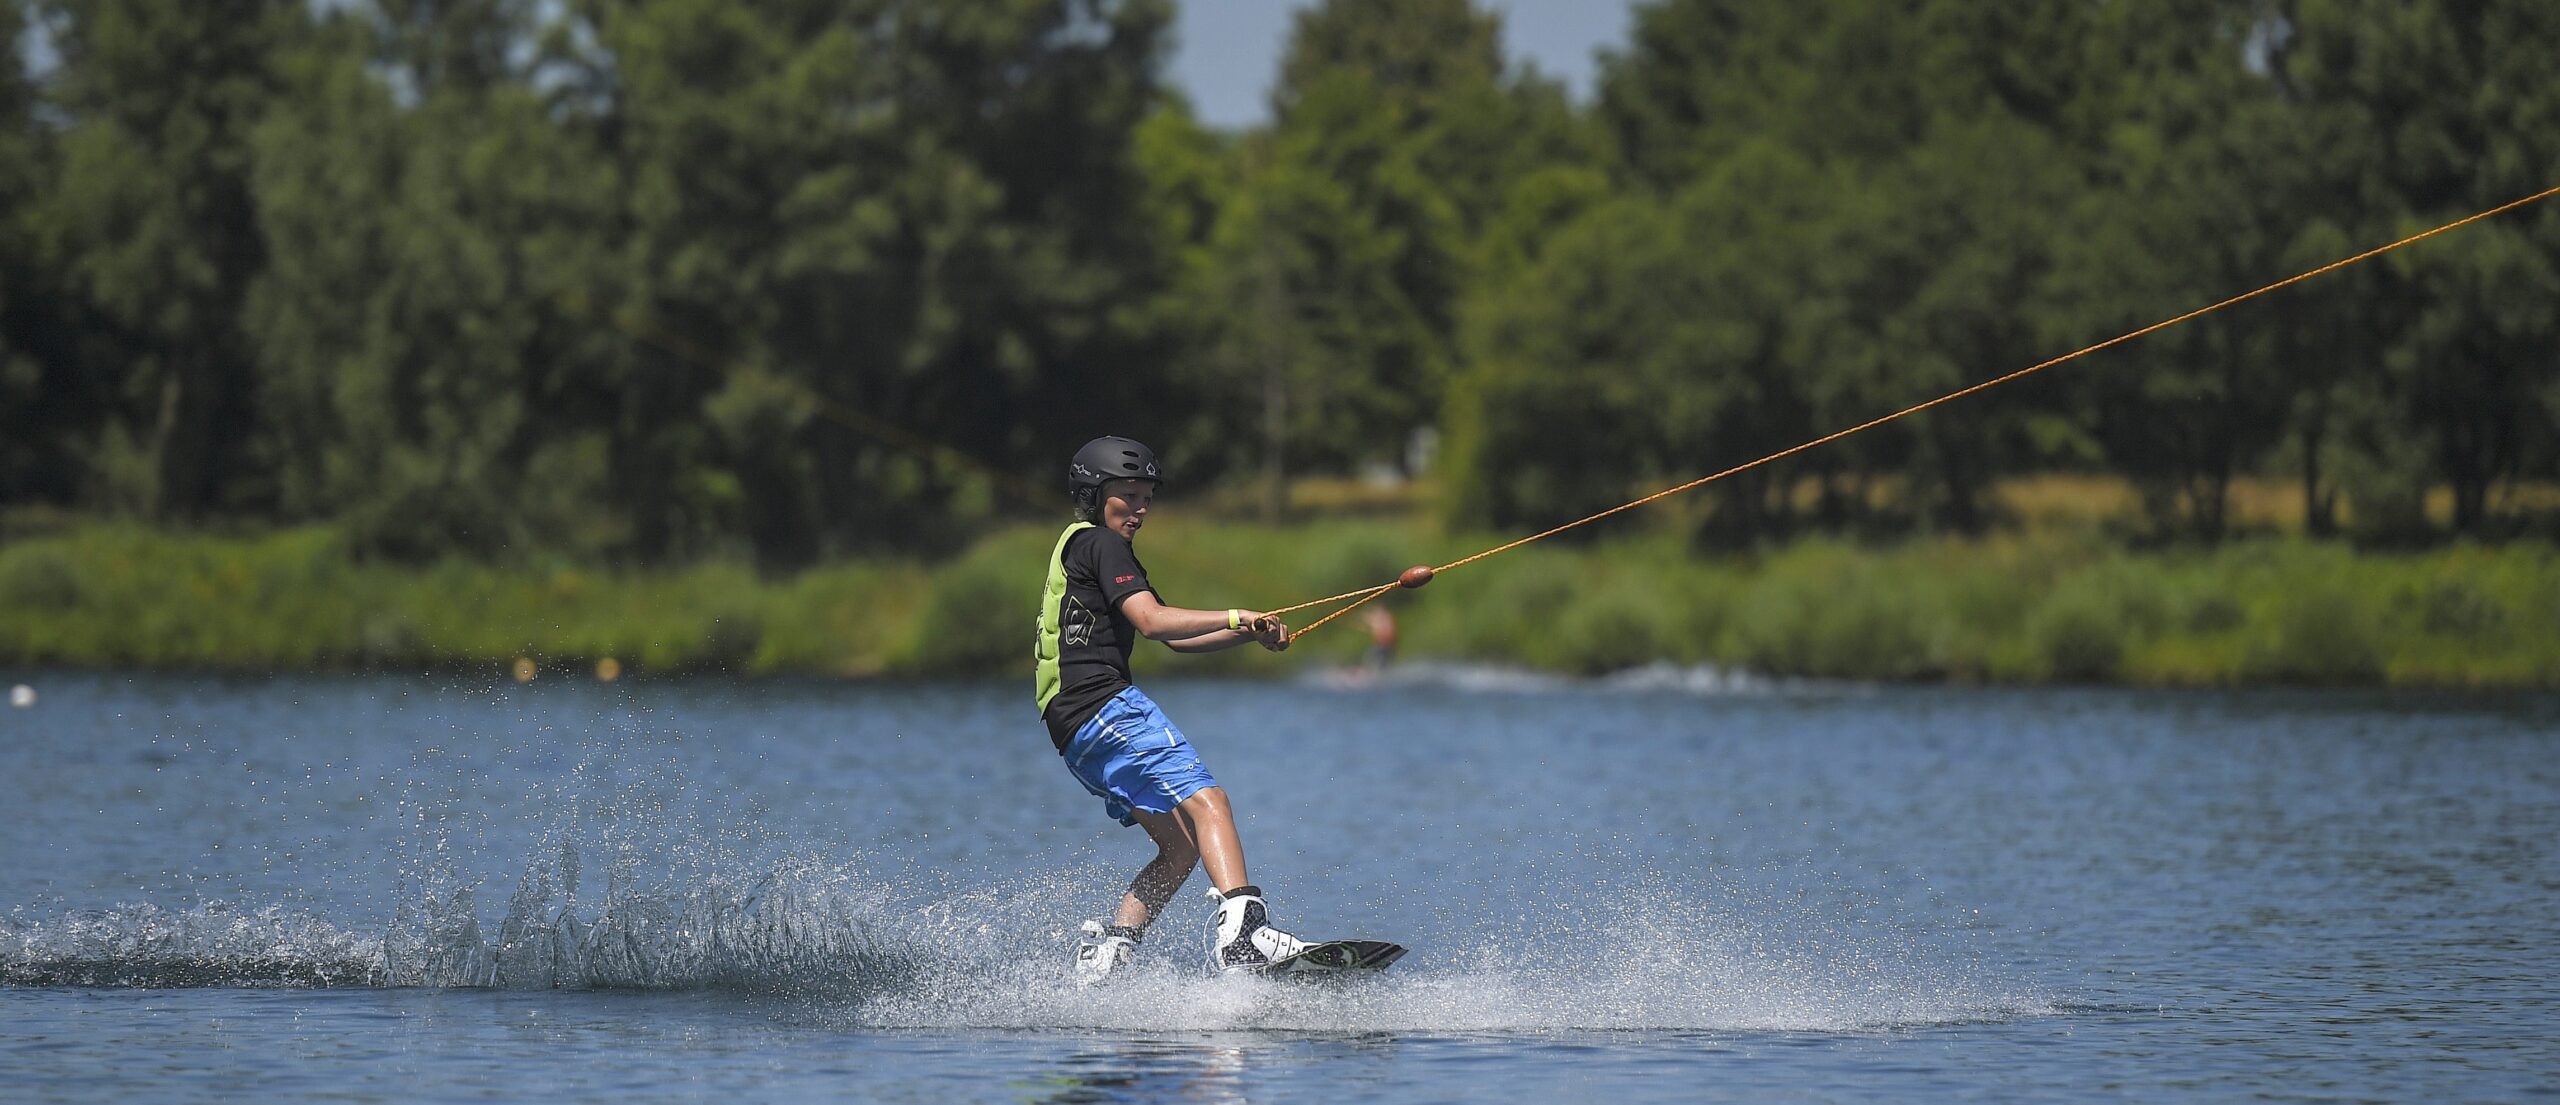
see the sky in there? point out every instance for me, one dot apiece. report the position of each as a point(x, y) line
point(1226, 52)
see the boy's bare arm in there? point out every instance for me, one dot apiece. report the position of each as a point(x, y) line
point(1186, 630)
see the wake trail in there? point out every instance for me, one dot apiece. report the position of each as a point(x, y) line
point(851, 950)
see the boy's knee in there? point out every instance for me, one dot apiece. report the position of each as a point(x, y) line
point(1206, 800)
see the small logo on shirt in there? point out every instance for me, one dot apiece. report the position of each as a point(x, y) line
point(1078, 632)
point(1117, 580)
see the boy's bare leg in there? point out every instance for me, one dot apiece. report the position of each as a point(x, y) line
point(1157, 881)
point(1213, 833)
point(1201, 829)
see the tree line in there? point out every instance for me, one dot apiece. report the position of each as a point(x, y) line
point(654, 279)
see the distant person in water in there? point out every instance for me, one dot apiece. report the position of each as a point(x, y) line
point(1114, 739)
point(1382, 638)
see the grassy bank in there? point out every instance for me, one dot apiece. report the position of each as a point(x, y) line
point(2010, 610)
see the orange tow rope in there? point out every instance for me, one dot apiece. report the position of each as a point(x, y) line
point(1421, 574)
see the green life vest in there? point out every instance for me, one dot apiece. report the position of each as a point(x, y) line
point(1044, 651)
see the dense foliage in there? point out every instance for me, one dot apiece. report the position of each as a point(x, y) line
point(651, 279)
point(2050, 607)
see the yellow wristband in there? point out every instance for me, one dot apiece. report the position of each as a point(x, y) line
point(1235, 618)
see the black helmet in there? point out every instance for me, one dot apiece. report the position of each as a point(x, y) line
point(1111, 458)
point(1108, 458)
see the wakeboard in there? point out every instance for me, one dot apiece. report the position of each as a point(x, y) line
point(1337, 957)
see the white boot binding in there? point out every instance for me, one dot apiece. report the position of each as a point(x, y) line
point(1241, 937)
point(1103, 949)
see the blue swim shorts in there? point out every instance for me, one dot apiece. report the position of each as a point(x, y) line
point(1130, 756)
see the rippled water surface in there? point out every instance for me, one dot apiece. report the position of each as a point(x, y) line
point(1648, 889)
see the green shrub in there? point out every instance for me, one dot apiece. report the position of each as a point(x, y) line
point(1826, 612)
point(2215, 611)
point(2459, 608)
point(2009, 609)
point(1508, 610)
point(2078, 633)
point(1614, 628)
point(842, 620)
point(2322, 634)
point(39, 578)
point(979, 612)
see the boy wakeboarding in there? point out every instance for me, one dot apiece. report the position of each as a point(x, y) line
point(1113, 737)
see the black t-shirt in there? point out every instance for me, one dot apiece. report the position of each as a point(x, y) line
point(1094, 637)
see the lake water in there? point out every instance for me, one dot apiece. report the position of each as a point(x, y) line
point(1672, 888)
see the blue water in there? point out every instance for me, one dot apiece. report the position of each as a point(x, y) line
point(1649, 889)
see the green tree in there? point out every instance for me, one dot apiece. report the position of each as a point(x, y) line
point(1860, 193)
point(1191, 174)
point(1355, 223)
point(669, 276)
point(432, 234)
point(42, 407)
point(160, 237)
point(2446, 112)
point(1556, 415)
point(864, 256)
point(2182, 205)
